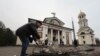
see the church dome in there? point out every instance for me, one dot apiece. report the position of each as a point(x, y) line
point(81, 14)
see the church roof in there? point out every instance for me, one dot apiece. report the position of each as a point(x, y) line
point(86, 30)
point(45, 22)
point(50, 19)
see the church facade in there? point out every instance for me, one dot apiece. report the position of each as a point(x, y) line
point(52, 29)
point(85, 33)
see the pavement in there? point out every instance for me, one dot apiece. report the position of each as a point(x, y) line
point(15, 51)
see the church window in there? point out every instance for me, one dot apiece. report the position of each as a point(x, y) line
point(46, 35)
point(90, 32)
point(54, 38)
point(60, 32)
point(84, 42)
point(80, 17)
point(63, 36)
point(82, 33)
point(83, 37)
point(92, 37)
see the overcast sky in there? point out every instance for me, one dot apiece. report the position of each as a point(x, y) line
point(14, 13)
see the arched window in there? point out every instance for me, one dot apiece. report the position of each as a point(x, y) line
point(83, 37)
point(82, 33)
point(90, 32)
point(84, 42)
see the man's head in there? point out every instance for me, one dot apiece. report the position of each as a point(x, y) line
point(38, 23)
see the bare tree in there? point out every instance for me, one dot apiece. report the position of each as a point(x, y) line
point(2, 25)
point(97, 41)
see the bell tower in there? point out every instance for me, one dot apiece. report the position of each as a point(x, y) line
point(85, 33)
point(83, 22)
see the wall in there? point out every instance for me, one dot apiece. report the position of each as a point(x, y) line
point(87, 38)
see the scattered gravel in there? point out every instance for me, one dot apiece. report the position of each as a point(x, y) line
point(15, 51)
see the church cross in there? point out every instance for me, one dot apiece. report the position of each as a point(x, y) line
point(53, 14)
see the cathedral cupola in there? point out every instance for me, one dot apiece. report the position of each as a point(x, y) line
point(83, 22)
point(81, 14)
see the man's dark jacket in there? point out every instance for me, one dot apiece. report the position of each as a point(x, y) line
point(28, 29)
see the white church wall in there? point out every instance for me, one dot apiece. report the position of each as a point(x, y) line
point(44, 32)
point(64, 36)
point(80, 40)
point(70, 37)
point(88, 39)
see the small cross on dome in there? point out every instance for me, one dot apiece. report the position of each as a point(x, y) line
point(53, 14)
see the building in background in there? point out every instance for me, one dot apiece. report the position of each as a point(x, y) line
point(52, 30)
point(85, 33)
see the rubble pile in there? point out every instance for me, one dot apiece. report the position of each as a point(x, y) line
point(61, 51)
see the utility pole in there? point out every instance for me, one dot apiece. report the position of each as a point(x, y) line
point(75, 41)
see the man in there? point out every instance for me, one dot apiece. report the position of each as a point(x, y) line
point(24, 33)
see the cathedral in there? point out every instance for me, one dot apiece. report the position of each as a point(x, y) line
point(85, 33)
point(52, 30)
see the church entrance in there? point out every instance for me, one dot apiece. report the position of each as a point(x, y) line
point(55, 35)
